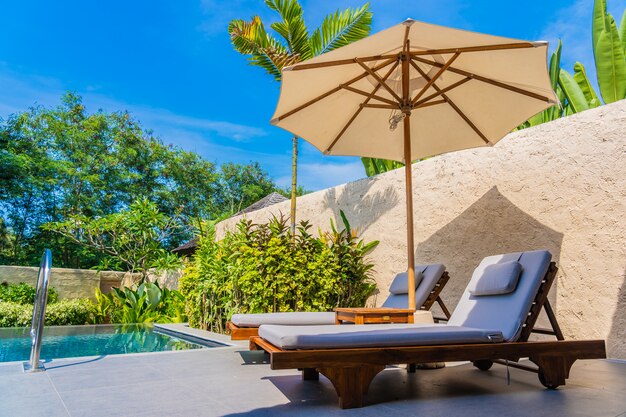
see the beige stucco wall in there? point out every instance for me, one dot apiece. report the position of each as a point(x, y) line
point(559, 186)
point(82, 283)
point(69, 283)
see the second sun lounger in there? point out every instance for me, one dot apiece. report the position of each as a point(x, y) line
point(492, 322)
point(430, 280)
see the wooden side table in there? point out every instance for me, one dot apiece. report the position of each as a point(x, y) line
point(373, 315)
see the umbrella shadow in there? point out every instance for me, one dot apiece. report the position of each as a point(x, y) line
point(490, 226)
point(360, 207)
point(616, 340)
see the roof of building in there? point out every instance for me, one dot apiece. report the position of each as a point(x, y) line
point(269, 200)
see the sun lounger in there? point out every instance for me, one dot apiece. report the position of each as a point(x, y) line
point(429, 281)
point(492, 322)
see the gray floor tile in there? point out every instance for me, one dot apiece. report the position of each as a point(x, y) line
point(41, 405)
point(234, 382)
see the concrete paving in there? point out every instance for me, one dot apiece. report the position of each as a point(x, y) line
point(230, 381)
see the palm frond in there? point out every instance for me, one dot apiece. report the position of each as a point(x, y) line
point(340, 29)
point(265, 51)
point(292, 27)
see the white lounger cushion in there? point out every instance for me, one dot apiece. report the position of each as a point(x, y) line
point(506, 312)
point(373, 335)
point(290, 318)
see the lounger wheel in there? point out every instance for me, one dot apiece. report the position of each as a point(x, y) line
point(542, 379)
point(483, 364)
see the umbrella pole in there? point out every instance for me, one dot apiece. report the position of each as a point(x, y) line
point(409, 211)
point(406, 109)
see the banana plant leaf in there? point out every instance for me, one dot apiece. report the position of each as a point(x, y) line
point(622, 31)
point(611, 64)
point(575, 98)
point(598, 24)
point(580, 76)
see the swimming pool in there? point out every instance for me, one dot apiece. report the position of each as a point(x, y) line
point(95, 340)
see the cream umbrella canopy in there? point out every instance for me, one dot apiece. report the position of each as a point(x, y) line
point(450, 89)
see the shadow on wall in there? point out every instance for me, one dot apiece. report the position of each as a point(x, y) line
point(616, 341)
point(361, 209)
point(493, 225)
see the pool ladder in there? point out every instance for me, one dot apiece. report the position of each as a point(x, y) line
point(39, 313)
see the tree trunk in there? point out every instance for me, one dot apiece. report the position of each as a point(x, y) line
point(294, 182)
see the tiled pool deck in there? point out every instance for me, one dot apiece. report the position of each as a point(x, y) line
point(231, 381)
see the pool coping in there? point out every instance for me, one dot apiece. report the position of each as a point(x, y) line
point(183, 330)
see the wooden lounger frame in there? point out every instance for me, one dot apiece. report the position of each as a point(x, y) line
point(351, 370)
point(244, 333)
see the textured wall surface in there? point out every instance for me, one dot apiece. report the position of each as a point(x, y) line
point(559, 186)
point(70, 283)
point(82, 283)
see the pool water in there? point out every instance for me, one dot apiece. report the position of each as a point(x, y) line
point(75, 341)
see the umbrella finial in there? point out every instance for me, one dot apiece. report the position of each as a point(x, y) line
point(408, 22)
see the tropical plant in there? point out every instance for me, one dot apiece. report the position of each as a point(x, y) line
point(147, 303)
point(576, 92)
point(375, 166)
point(295, 44)
point(134, 238)
point(261, 268)
point(102, 308)
point(609, 51)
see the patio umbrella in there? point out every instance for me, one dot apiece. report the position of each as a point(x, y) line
point(450, 89)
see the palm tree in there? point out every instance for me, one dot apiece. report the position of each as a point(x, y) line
point(295, 44)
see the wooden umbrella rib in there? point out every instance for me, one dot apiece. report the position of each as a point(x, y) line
point(430, 103)
point(332, 91)
point(377, 77)
point(366, 94)
point(467, 120)
point(361, 106)
point(483, 48)
point(434, 78)
point(486, 80)
point(441, 91)
point(303, 66)
point(379, 106)
point(446, 99)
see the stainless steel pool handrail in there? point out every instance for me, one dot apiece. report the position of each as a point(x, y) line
point(39, 313)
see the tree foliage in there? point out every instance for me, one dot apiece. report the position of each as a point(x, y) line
point(58, 163)
point(133, 239)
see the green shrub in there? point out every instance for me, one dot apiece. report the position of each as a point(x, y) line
point(15, 315)
point(263, 268)
point(65, 312)
point(23, 293)
point(77, 311)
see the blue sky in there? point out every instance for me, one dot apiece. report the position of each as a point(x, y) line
point(170, 63)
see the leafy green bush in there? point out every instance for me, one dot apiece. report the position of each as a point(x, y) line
point(263, 268)
point(23, 293)
point(65, 312)
point(14, 314)
point(148, 303)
